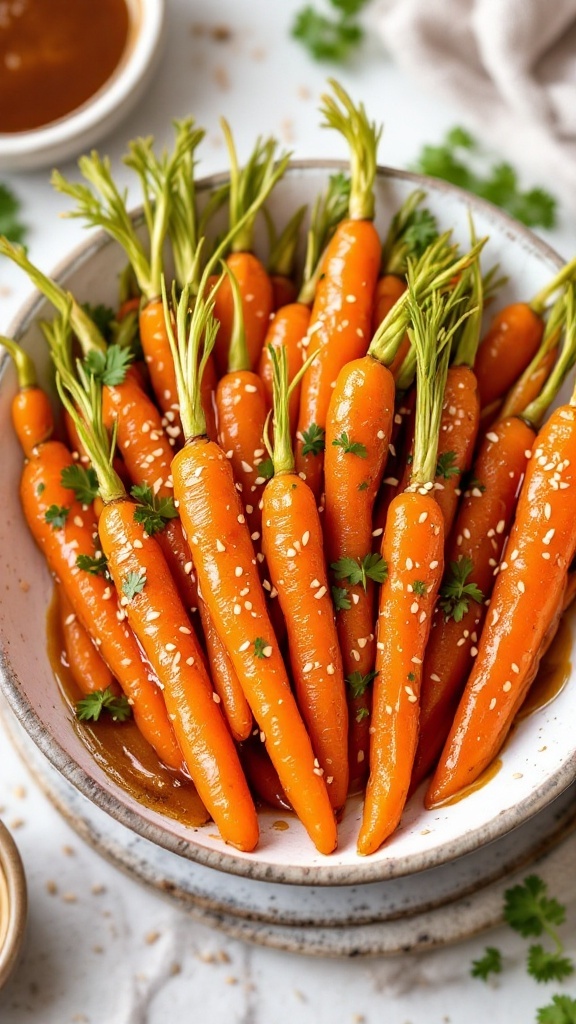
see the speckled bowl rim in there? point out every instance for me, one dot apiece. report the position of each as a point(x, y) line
point(227, 861)
point(13, 870)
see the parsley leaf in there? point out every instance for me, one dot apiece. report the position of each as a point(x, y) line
point(358, 683)
point(266, 469)
point(93, 704)
point(456, 594)
point(96, 566)
point(261, 648)
point(490, 963)
point(545, 966)
point(361, 714)
point(40, 489)
point(357, 571)
point(153, 512)
point(314, 440)
point(83, 481)
point(419, 587)
point(10, 223)
point(446, 466)
point(420, 232)
point(329, 38)
point(133, 583)
point(348, 446)
point(363, 486)
point(108, 367)
point(340, 599)
point(562, 1010)
point(103, 316)
point(457, 160)
point(56, 515)
point(529, 911)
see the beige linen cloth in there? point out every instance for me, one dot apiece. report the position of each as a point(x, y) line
point(509, 65)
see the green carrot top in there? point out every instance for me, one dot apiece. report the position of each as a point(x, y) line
point(328, 210)
point(281, 451)
point(246, 184)
point(410, 233)
point(430, 337)
point(362, 137)
point(23, 363)
point(283, 246)
point(534, 413)
point(101, 204)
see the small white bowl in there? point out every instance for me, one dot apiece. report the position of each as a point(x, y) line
point(81, 128)
point(13, 904)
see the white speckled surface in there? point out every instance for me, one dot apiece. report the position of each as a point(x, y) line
point(100, 949)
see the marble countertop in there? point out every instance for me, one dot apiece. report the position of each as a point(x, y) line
point(101, 949)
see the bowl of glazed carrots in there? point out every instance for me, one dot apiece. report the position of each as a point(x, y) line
point(286, 532)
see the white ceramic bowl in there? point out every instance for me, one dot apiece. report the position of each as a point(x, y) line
point(13, 904)
point(82, 128)
point(539, 761)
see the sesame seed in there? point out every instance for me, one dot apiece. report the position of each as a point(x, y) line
point(246, 466)
point(176, 659)
point(267, 651)
point(305, 538)
point(188, 568)
point(422, 616)
point(330, 669)
point(248, 606)
point(546, 555)
point(237, 609)
point(434, 677)
point(414, 607)
point(250, 388)
point(355, 598)
point(255, 535)
point(548, 537)
point(492, 436)
point(184, 629)
point(170, 647)
point(151, 615)
point(416, 661)
point(350, 298)
point(434, 564)
point(507, 686)
point(521, 587)
point(244, 647)
point(241, 519)
point(473, 651)
point(238, 570)
point(514, 667)
point(378, 532)
point(412, 699)
point(219, 546)
point(492, 704)
point(461, 642)
point(69, 619)
point(422, 517)
point(308, 667)
point(355, 655)
point(409, 563)
point(291, 553)
point(501, 526)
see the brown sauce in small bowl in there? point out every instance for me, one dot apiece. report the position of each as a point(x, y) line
point(55, 55)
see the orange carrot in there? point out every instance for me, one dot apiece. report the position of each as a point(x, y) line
point(88, 670)
point(218, 535)
point(342, 311)
point(413, 554)
point(513, 340)
point(155, 612)
point(527, 596)
point(248, 270)
point(292, 544)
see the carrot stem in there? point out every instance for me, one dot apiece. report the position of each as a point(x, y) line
point(534, 413)
point(362, 137)
point(282, 251)
point(25, 369)
point(540, 300)
point(327, 212)
point(238, 356)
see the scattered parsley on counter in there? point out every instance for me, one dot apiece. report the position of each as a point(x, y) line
point(10, 224)
point(332, 36)
point(490, 963)
point(460, 160)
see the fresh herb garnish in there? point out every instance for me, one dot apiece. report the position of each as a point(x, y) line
point(361, 714)
point(348, 446)
point(419, 233)
point(562, 1010)
point(133, 583)
point(83, 481)
point(446, 466)
point(56, 516)
point(108, 367)
point(93, 704)
point(153, 512)
point(456, 160)
point(103, 316)
point(371, 567)
point(340, 599)
point(40, 489)
point(490, 963)
point(363, 486)
point(419, 587)
point(314, 440)
point(10, 224)
point(358, 683)
point(330, 36)
point(456, 593)
point(96, 566)
point(260, 646)
point(266, 469)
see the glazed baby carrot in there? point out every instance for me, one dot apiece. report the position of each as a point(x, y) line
point(529, 385)
point(292, 544)
point(158, 617)
point(214, 519)
point(89, 671)
point(527, 595)
point(413, 550)
point(513, 339)
point(253, 279)
point(31, 410)
point(340, 324)
point(241, 411)
point(289, 326)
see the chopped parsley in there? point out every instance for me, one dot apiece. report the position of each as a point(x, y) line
point(456, 593)
point(56, 516)
point(83, 481)
point(93, 704)
point(314, 440)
